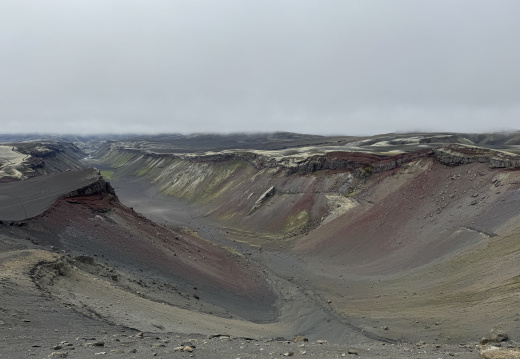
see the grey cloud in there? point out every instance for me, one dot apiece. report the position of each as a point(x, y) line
point(347, 67)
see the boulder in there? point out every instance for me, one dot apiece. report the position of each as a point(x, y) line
point(491, 352)
point(495, 336)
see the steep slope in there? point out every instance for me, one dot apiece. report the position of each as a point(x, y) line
point(418, 213)
point(25, 199)
point(78, 212)
point(273, 194)
point(416, 224)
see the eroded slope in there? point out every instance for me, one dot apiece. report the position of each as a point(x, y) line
point(359, 221)
point(95, 224)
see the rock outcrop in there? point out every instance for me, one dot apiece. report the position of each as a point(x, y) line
point(491, 352)
point(361, 163)
point(264, 197)
point(99, 187)
point(456, 155)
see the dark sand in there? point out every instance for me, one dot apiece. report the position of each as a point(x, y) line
point(25, 199)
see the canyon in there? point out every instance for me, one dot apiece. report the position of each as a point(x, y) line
point(397, 245)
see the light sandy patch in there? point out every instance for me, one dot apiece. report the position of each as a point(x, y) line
point(407, 141)
point(17, 264)
point(392, 153)
point(10, 160)
point(303, 153)
point(338, 206)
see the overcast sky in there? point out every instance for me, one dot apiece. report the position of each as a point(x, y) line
point(321, 66)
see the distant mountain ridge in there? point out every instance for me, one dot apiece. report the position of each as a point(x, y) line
point(203, 142)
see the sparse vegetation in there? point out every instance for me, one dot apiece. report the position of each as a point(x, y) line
point(296, 221)
point(142, 171)
point(109, 175)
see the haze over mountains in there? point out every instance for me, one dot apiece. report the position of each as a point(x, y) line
point(240, 242)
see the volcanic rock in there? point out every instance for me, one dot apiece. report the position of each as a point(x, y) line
point(495, 336)
point(491, 352)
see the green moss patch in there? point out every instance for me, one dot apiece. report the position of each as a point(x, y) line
point(296, 221)
point(142, 171)
point(109, 175)
point(122, 159)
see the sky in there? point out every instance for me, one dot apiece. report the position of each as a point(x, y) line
point(332, 67)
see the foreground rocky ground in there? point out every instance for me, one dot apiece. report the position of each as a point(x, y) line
point(35, 325)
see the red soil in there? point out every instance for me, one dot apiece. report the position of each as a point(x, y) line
point(405, 220)
point(99, 225)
